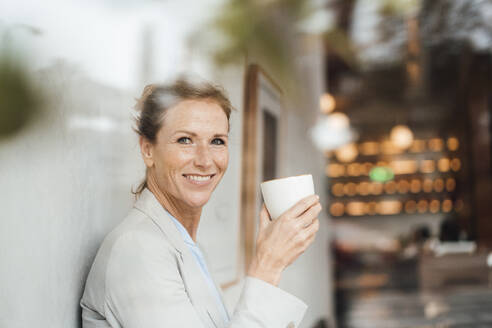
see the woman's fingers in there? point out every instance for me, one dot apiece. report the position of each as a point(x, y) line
point(307, 218)
point(301, 206)
point(264, 217)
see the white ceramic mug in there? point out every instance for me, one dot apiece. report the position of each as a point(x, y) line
point(281, 194)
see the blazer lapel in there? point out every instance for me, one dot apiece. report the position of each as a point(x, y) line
point(195, 284)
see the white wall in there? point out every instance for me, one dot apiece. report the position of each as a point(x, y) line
point(66, 180)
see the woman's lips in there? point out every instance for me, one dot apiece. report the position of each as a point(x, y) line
point(198, 179)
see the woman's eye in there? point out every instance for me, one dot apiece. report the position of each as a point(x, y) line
point(184, 140)
point(218, 141)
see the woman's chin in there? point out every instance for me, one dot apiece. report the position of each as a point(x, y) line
point(198, 200)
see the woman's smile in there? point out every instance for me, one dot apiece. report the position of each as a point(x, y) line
point(199, 180)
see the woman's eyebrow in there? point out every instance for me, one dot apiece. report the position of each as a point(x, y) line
point(223, 135)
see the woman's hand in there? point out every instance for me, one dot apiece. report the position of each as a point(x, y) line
point(280, 242)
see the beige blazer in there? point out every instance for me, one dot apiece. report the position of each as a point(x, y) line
point(144, 276)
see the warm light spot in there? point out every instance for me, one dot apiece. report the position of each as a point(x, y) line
point(403, 186)
point(427, 185)
point(327, 103)
point(354, 169)
point(335, 170)
point(371, 208)
point(339, 121)
point(455, 164)
point(389, 207)
point(401, 136)
point(337, 209)
point(453, 143)
point(450, 184)
point(438, 185)
point(337, 189)
point(410, 206)
point(350, 189)
point(347, 153)
point(434, 206)
point(376, 188)
point(382, 163)
point(443, 164)
point(422, 206)
point(355, 208)
point(369, 148)
point(390, 187)
point(404, 166)
point(389, 148)
point(436, 144)
point(366, 168)
point(363, 188)
point(415, 186)
point(447, 205)
point(417, 146)
point(427, 166)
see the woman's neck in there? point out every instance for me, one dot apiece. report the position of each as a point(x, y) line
point(189, 218)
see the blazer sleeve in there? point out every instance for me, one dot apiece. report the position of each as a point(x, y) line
point(144, 289)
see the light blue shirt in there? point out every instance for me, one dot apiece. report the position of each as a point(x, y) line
point(197, 254)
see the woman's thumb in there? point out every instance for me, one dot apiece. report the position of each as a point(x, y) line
point(264, 218)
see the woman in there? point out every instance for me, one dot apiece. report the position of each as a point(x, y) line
point(149, 272)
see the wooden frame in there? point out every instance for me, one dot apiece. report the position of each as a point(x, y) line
point(261, 95)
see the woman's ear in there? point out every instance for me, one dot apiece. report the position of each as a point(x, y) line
point(147, 150)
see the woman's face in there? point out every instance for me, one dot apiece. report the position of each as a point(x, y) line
point(190, 154)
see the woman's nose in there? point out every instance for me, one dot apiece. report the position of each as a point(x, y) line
point(203, 156)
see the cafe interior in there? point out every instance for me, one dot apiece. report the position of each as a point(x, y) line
point(410, 195)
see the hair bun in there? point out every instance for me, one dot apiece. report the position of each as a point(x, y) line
point(147, 91)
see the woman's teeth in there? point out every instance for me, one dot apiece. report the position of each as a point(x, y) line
point(199, 178)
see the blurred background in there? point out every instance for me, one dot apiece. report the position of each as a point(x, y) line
point(386, 102)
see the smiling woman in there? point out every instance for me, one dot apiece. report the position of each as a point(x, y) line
point(149, 271)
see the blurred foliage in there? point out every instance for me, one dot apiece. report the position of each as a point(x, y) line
point(399, 7)
point(264, 30)
point(267, 32)
point(19, 100)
